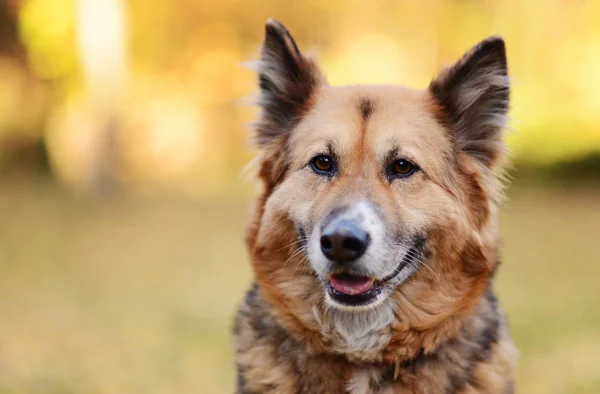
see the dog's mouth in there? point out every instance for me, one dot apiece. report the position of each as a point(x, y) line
point(351, 285)
point(353, 290)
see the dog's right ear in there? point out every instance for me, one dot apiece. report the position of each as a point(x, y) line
point(287, 81)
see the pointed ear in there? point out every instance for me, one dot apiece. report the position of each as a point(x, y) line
point(287, 81)
point(473, 96)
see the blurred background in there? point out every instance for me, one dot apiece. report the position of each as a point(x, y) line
point(122, 199)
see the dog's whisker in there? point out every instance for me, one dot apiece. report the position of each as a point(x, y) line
point(303, 260)
point(321, 302)
point(299, 250)
point(418, 262)
point(297, 241)
point(416, 259)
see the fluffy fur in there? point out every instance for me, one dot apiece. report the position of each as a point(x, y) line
point(435, 326)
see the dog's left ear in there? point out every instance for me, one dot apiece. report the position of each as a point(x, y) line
point(287, 81)
point(474, 97)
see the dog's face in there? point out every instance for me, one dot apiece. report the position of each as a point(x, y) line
point(374, 182)
point(369, 168)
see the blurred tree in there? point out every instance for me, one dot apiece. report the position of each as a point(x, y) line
point(22, 147)
point(146, 92)
point(10, 44)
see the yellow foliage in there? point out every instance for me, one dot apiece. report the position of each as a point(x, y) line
point(195, 48)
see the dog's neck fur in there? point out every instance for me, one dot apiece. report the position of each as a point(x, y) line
point(476, 356)
point(357, 333)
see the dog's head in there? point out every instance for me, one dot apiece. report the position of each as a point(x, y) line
point(370, 189)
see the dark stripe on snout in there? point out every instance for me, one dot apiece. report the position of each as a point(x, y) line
point(365, 107)
point(335, 212)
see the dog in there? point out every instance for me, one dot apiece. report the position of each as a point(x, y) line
point(374, 238)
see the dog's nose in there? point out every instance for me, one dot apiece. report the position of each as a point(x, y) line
point(344, 241)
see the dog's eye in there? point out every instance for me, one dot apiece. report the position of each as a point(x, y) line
point(322, 164)
point(402, 168)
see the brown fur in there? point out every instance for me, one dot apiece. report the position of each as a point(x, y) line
point(286, 339)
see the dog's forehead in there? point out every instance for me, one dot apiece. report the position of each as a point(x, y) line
point(382, 117)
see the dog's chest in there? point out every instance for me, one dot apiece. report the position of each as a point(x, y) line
point(373, 381)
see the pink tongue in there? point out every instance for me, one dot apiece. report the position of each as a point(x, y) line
point(350, 285)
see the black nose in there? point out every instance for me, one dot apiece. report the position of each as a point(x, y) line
point(344, 241)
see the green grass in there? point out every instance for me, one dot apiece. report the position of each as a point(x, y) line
point(127, 296)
